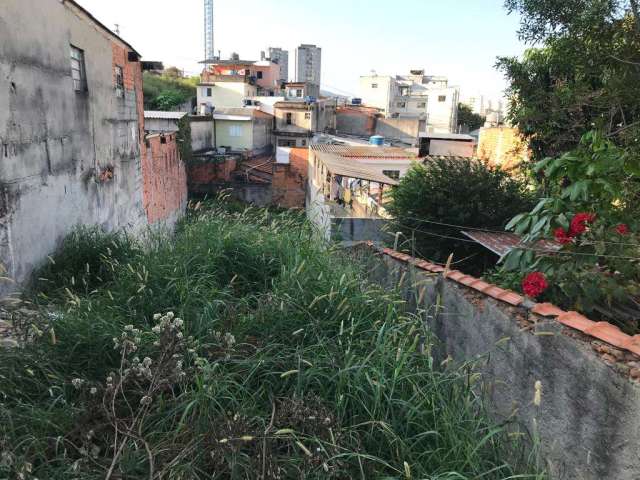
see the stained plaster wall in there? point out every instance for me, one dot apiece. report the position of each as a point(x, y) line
point(54, 141)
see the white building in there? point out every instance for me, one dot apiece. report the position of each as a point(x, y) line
point(414, 95)
point(309, 64)
point(281, 57)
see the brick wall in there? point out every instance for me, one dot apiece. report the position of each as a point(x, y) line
point(502, 146)
point(132, 72)
point(206, 177)
point(290, 181)
point(164, 179)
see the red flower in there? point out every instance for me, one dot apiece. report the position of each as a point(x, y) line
point(623, 229)
point(579, 223)
point(534, 284)
point(562, 236)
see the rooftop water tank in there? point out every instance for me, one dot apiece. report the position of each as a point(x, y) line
point(377, 140)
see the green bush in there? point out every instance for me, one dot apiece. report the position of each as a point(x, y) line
point(455, 191)
point(592, 210)
point(273, 358)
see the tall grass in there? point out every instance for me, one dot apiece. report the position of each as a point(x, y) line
point(294, 367)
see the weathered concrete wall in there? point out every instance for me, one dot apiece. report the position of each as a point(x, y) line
point(350, 230)
point(165, 180)
point(155, 125)
point(362, 121)
point(588, 416)
point(56, 143)
point(202, 138)
point(403, 129)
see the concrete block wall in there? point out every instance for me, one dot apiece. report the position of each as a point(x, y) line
point(569, 381)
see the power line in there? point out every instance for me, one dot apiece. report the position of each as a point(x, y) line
point(536, 250)
point(488, 230)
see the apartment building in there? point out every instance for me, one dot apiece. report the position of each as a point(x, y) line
point(309, 64)
point(415, 95)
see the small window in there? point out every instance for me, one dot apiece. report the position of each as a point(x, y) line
point(303, 143)
point(163, 140)
point(259, 75)
point(374, 85)
point(289, 119)
point(299, 93)
point(394, 174)
point(307, 116)
point(209, 92)
point(402, 104)
point(286, 143)
point(78, 71)
point(422, 105)
point(119, 74)
point(442, 98)
point(235, 131)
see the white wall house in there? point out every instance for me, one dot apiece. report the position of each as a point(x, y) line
point(225, 94)
point(414, 95)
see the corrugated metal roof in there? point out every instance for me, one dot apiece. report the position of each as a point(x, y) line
point(342, 166)
point(164, 115)
point(502, 243)
point(356, 151)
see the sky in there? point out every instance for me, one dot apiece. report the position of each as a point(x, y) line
point(456, 38)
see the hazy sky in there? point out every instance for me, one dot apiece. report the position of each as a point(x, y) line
point(457, 38)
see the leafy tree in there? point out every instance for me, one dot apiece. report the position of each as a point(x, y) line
point(466, 192)
point(583, 73)
point(168, 91)
point(466, 117)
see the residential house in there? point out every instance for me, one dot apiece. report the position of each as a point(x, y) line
point(71, 134)
point(414, 96)
point(162, 122)
point(281, 57)
point(447, 144)
point(365, 122)
point(345, 193)
point(243, 130)
point(296, 122)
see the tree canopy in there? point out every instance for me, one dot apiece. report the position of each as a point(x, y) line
point(168, 91)
point(466, 117)
point(583, 73)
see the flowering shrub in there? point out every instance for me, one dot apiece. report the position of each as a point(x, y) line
point(591, 211)
point(534, 284)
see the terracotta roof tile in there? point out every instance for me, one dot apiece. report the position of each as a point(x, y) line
point(600, 330)
point(547, 310)
point(575, 320)
point(511, 298)
point(608, 333)
point(455, 275)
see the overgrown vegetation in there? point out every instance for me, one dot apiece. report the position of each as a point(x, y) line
point(433, 200)
point(168, 91)
point(241, 349)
